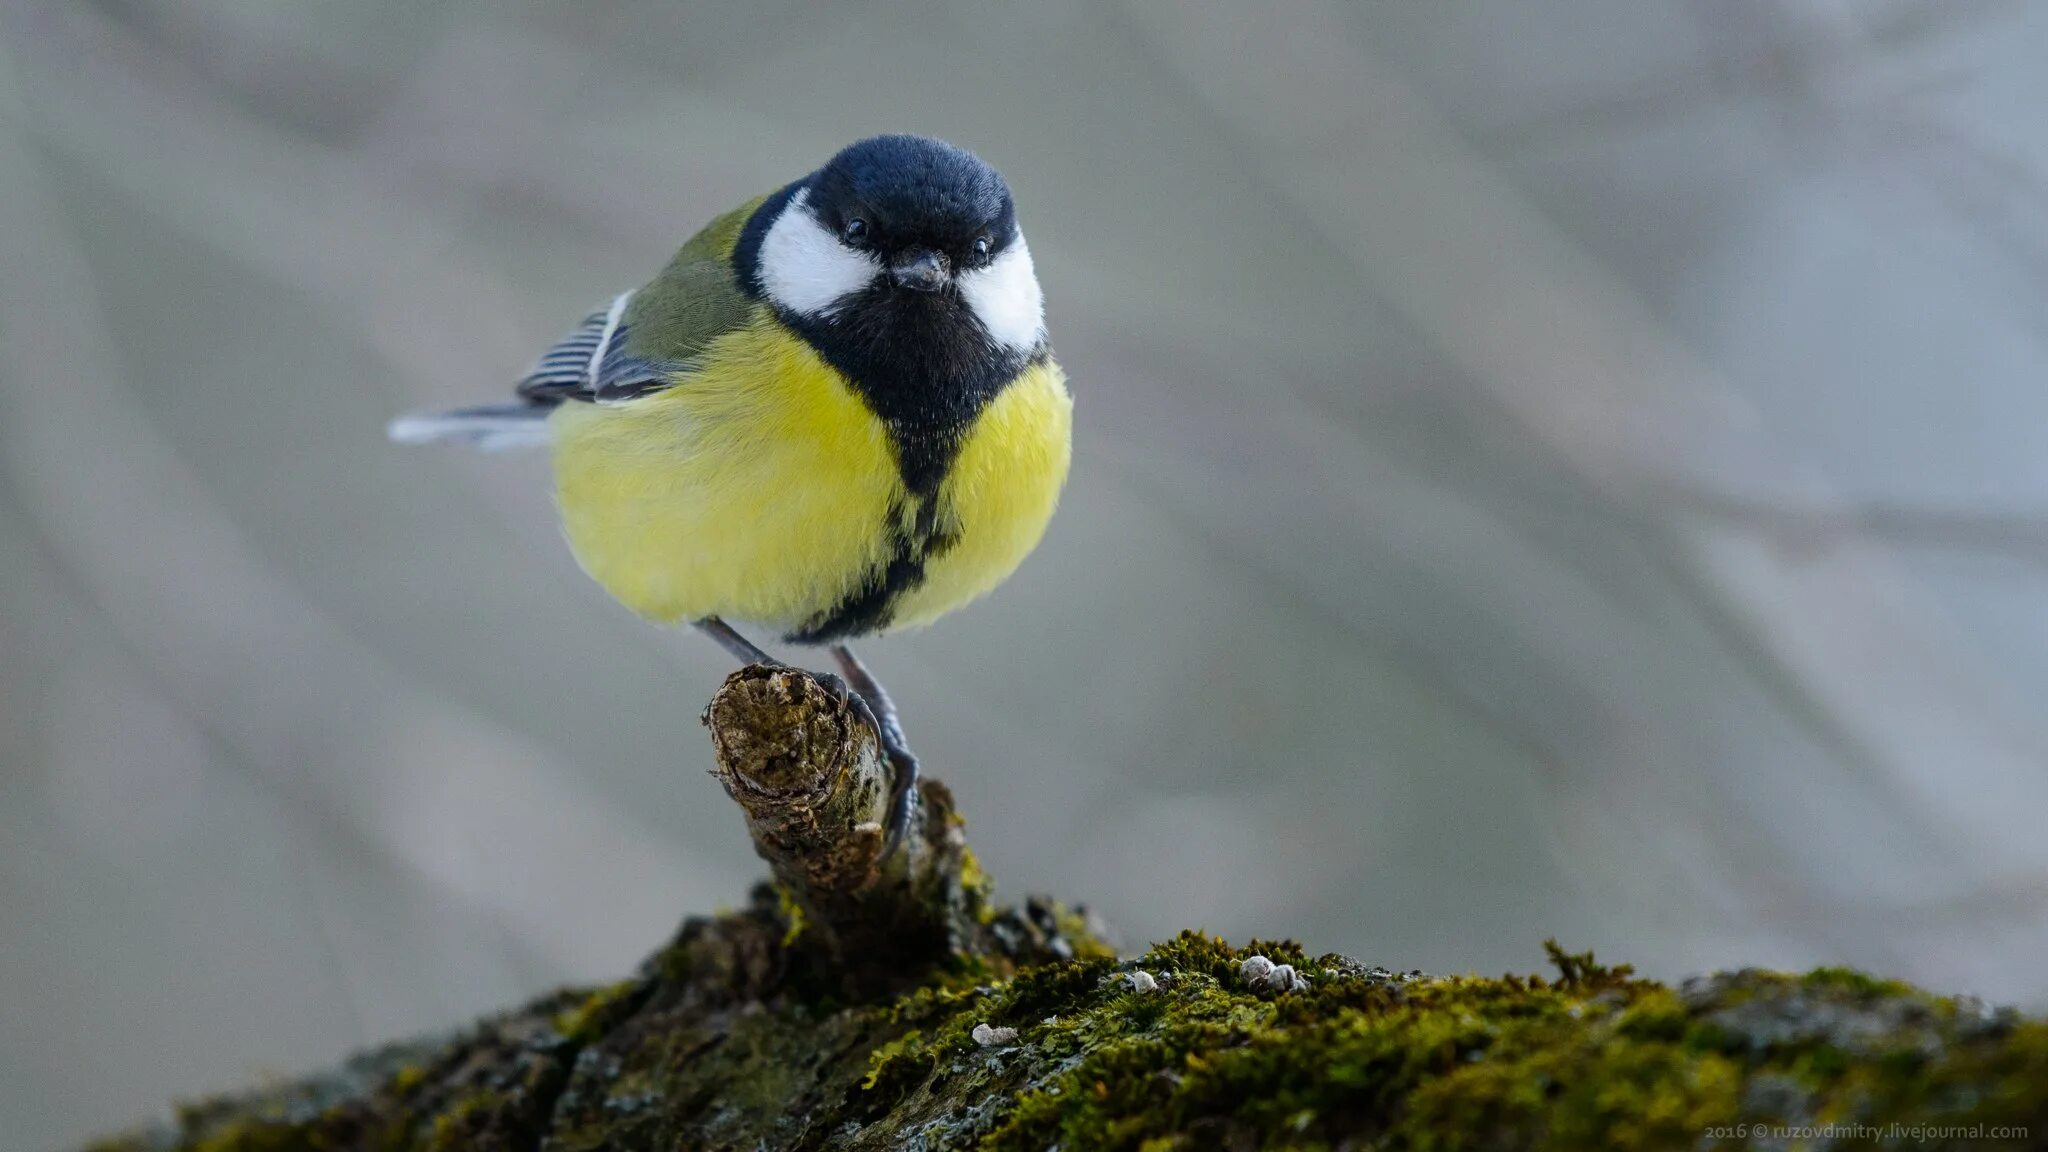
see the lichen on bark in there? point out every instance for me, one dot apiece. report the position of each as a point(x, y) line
point(862, 1003)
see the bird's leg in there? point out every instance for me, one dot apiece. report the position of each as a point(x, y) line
point(747, 652)
point(889, 726)
point(728, 637)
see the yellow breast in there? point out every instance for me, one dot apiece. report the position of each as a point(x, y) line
point(762, 488)
point(999, 494)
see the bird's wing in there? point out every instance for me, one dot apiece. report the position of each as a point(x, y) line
point(591, 363)
point(650, 338)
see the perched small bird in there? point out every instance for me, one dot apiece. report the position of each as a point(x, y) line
point(834, 412)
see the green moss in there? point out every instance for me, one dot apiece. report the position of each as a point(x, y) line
point(1595, 1059)
point(407, 1078)
point(1580, 970)
point(593, 1013)
point(976, 886)
point(1856, 983)
point(1599, 1060)
point(895, 1064)
point(792, 914)
point(1074, 927)
point(257, 1137)
point(458, 1127)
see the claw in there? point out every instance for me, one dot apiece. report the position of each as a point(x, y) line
point(861, 711)
point(902, 799)
point(842, 691)
point(902, 764)
point(889, 728)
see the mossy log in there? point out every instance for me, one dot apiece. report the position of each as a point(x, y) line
point(863, 1003)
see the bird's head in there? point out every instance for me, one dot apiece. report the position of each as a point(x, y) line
point(897, 234)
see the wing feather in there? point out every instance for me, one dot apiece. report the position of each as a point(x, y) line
point(590, 363)
point(644, 340)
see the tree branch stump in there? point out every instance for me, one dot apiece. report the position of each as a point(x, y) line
point(809, 775)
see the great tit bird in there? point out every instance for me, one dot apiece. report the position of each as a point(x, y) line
point(834, 412)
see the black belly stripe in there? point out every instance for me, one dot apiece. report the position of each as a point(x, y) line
point(873, 606)
point(924, 365)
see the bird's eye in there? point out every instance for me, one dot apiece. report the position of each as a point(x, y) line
point(855, 231)
point(982, 243)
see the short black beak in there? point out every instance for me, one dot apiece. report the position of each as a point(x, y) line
point(921, 269)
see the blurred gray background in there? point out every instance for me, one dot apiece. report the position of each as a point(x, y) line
point(1545, 469)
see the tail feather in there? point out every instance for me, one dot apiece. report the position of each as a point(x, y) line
point(491, 427)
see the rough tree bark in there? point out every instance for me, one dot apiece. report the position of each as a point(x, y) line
point(863, 1003)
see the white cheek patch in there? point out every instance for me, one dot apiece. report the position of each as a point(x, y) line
point(805, 268)
point(1006, 298)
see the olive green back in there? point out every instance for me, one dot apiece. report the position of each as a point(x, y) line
point(681, 311)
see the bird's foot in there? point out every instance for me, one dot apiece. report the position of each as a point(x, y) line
point(867, 699)
point(902, 796)
point(902, 761)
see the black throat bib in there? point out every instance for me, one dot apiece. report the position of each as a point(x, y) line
point(924, 365)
